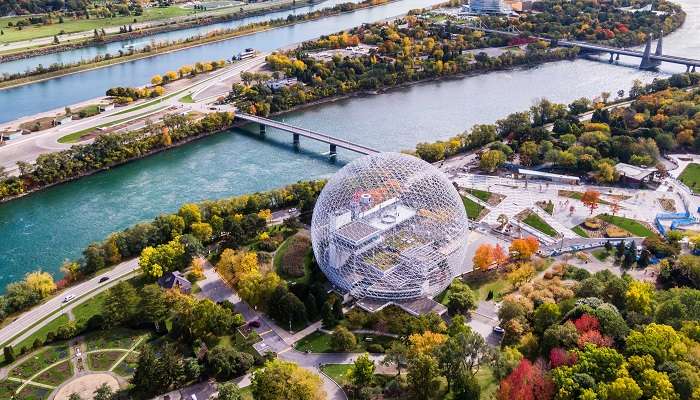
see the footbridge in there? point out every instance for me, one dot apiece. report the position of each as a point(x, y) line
point(649, 60)
point(333, 142)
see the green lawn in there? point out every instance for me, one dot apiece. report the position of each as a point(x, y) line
point(280, 253)
point(691, 177)
point(488, 383)
point(538, 223)
point(7, 389)
point(127, 366)
point(319, 342)
point(499, 287)
point(103, 360)
point(601, 254)
point(118, 338)
point(630, 225)
point(480, 194)
point(56, 375)
point(93, 306)
point(340, 373)
point(71, 25)
point(39, 361)
point(43, 331)
point(580, 231)
point(473, 208)
point(186, 99)
point(75, 136)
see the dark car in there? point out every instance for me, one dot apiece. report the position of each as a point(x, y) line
point(103, 279)
point(254, 323)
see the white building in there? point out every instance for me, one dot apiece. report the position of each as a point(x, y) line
point(486, 7)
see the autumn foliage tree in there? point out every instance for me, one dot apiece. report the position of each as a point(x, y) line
point(523, 249)
point(591, 199)
point(487, 255)
point(528, 381)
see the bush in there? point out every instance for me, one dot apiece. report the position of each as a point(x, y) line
point(375, 348)
point(576, 273)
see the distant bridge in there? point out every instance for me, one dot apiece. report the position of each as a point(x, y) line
point(296, 132)
point(649, 60)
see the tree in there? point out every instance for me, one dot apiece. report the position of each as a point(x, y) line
point(640, 297)
point(155, 261)
point(362, 371)
point(546, 315)
point(40, 282)
point(463, 354)
point(157, 80)
point(520, 274)
point(104, 392)
point(523, 249)
point(343, 340)
point(153, 307)
point(624, 388)
point(202, 231)
point(527, 381)
point(422, 377)
point(225, 363)
point(487, 255)
point(492, 159)
point(466, 387)
point(590, 199)
point(282, 380)
point(121, 303)
point(660, 341)
point(426, 343)
point(228, 391)
point(146, 376)
point(9, 354)
point(190, 213)
point(460, 298)
point(396, 354)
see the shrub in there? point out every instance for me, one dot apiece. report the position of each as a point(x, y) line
point(375, 348)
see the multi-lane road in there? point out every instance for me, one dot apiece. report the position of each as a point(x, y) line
point(29, 147)
point(30, 321)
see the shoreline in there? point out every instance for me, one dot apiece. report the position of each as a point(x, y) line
point(196, 43)
point(239, 124)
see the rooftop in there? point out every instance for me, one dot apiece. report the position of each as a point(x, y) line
point(633, 171)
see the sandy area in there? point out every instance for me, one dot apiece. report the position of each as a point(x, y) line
point(86, 385)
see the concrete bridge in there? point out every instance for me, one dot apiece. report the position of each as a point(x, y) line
point(649, 60)
point(297, 132)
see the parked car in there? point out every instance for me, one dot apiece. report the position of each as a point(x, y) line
point(104, 279)
point(68, 298)
point(498, 330)
point(254, 323)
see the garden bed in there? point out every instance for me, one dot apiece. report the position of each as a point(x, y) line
point(290, 257)
point(39, 361)
point(103, 360)
point(31, 392)
point(530, 218)
point(127, 366)
point(56, 375)
point(118, 338)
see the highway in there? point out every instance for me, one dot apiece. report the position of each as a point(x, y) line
point(29, 147)
point(29, 320)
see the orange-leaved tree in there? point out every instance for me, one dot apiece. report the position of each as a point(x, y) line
point(523, 249)
point(590, 199)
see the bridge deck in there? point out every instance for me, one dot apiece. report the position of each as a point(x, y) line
point(321, 137)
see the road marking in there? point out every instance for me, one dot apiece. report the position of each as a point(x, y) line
point(265, 333)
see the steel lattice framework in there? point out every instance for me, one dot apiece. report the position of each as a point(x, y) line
point(390, 226)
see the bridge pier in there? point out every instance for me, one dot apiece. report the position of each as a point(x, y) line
point(612, 57)
point(617, 57)
point(262, 129)
point(295, 139)
point(333, 151)
point(693, 69)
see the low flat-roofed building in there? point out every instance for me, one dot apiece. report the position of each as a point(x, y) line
point(531, 174)
point(634, 175)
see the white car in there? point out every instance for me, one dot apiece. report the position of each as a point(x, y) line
point(68, 298)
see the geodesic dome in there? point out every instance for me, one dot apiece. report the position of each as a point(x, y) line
point(390, 226)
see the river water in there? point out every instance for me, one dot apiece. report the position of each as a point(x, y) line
point(43, 229)
point(59, 92)
point(88, 53)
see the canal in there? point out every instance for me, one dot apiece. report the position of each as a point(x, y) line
point(59, 92)
point(43, 229)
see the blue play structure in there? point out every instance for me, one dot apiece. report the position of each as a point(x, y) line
point(678, 219)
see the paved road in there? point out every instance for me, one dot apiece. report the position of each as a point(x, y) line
point(29, 147)
point(31, 317)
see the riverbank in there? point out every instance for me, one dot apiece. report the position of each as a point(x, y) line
point(195, 41)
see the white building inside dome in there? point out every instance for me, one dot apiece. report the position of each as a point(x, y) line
point(486, 7)
point(390, 227)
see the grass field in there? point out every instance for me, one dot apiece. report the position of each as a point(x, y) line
point(85, 310)
point(7, 389)
point(290, 260)
point(186, 99)
point(103, 360)
point(480, 194)
point(691, 177)
point(340, 373)
point(39, 361)
point(71, 25)
point(538, 223)
point(488, 383)
point(630, 225)
point(601, 254)
point(43, 331)
point(118, 338)
point(56, 375)
point(319, 342)
point(472, 207)
point(580, 231)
